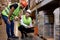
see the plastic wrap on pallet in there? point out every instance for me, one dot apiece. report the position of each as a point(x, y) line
point(41, 22)
point(57, 32)
point(48, 30)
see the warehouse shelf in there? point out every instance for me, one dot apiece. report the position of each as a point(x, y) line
point(41, 4)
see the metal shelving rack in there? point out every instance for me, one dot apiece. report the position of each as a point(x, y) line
point(56, 32)
point(57, 29)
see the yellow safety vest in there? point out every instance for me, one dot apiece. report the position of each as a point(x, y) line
point(5, 12)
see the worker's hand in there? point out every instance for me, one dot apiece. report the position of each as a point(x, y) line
point(29, 26)
point(16, 18)
point(8, 21)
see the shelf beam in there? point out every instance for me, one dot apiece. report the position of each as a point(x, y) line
point(41, 4)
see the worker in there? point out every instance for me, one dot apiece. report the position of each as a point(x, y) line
point(26, 24)
point(8, 15)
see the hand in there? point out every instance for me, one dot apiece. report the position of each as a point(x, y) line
point(29, 26)
point(8, 21)
point(16, 18)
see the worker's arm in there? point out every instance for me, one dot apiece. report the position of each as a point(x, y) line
point(10, 13)
point(12, 8)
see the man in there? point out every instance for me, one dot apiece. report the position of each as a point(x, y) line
point(26, 24)
point(8, 15)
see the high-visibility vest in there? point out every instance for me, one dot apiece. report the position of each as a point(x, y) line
point(26, 21)
point(5, 12)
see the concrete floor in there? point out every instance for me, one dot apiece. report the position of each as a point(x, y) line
point(3, 32)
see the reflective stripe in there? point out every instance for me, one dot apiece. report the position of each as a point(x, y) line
point(12, 17)
point(13, 14)
point(6, 10)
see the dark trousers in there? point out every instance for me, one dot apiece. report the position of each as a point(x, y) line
point(24, 30)
point(9, 27)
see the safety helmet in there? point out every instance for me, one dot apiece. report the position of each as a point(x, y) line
point(29, 11)
point(24, 3)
